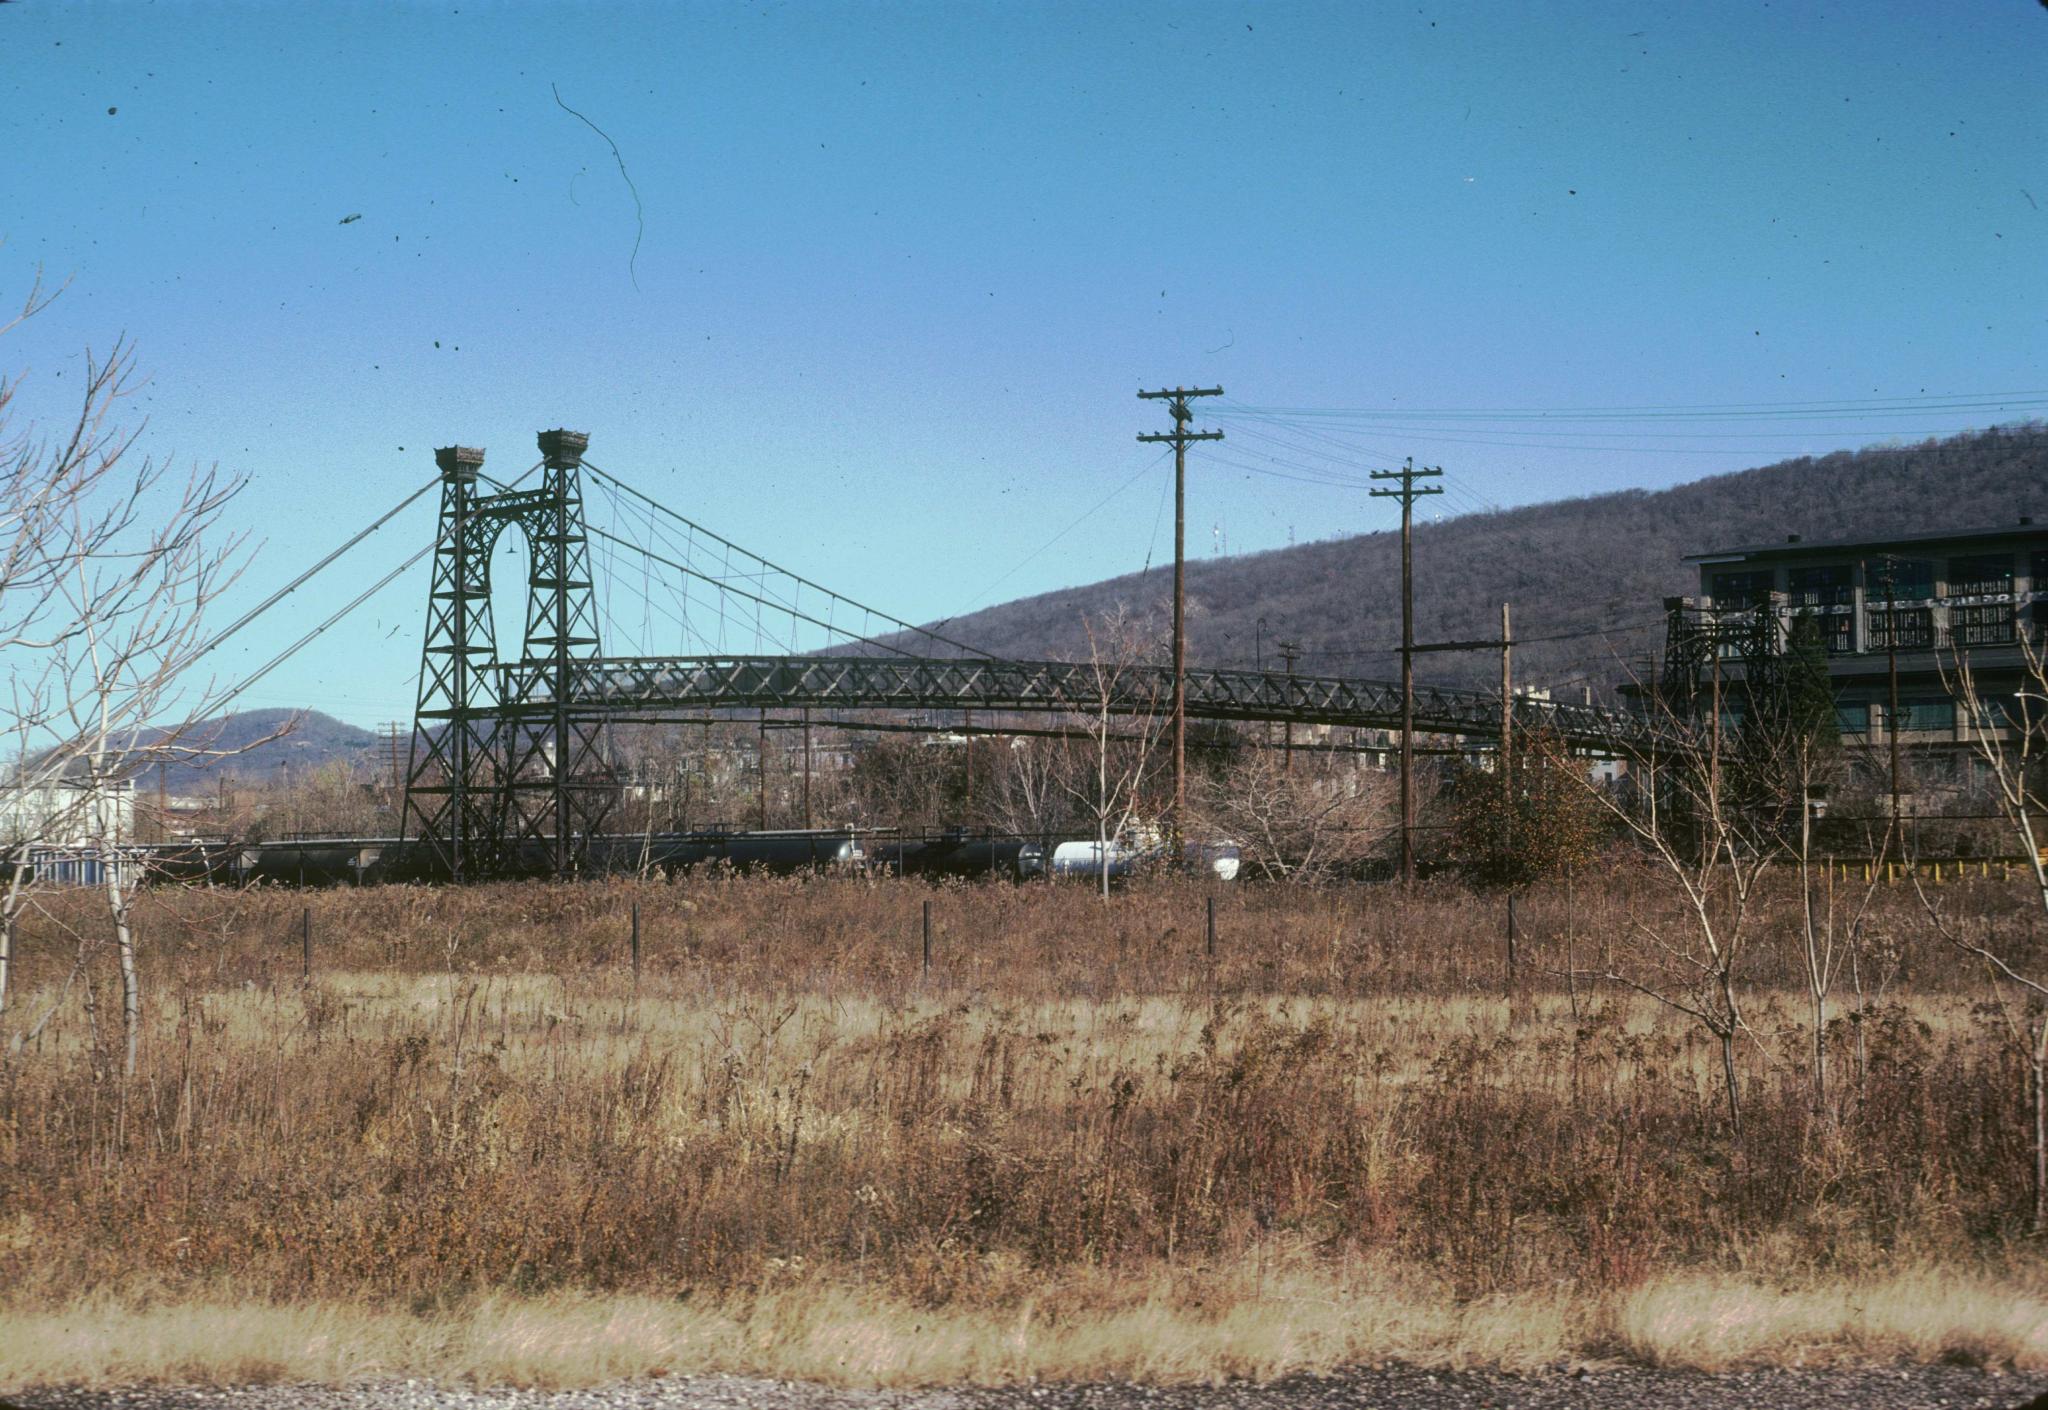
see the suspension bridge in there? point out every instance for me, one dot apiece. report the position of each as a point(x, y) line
point(509, 768)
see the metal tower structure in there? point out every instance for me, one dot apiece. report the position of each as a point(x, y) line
point(504, 775)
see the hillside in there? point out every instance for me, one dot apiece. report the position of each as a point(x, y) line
point(1592, 571)
point(315, 741)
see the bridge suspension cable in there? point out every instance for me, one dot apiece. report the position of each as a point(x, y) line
point(779, 608)
point(243, 685)
point(762, 574)
point(300, 581)
point(290, 651)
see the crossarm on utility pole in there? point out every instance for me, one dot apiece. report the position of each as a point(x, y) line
point(1408, 493)
point(1179, 438)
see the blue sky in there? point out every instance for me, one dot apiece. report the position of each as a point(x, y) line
point(900, 268)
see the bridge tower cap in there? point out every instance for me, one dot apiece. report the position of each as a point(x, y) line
point(563, 450)
point(459, 462)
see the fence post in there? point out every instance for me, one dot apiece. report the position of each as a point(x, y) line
point(1212, 927)
point(927, 939)
point(636, 945)
point(1509, 989)
point(306, 942)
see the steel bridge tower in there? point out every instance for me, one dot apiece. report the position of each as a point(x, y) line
point(505, 776)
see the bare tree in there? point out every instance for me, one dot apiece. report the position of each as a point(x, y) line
point(905, 780)
point(1121, 716)
point(1712, 853)
point(1790, 755)
point(1303, 821)
point(109, 566)
point(2009, 737)
point(37, 482)
point(1033, 797)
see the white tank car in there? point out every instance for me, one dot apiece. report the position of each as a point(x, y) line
point(1219, 859)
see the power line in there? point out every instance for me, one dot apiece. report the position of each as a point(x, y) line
point(1086, 515)
point(1805, 444)
point(1614, 630)
point(1843, 408)
point(1427, 427)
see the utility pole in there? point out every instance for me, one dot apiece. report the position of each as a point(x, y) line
point(1714, 728)
point(389, 730)
point(1289, 650)
point(1259, 664)
point(1891, 706)
point(1179, 437)
point(1507, 727)
point(807, 768)
point(1408, 494)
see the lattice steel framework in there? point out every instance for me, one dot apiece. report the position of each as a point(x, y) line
point(489, 785)
point(623, 687)
point(1748, 644)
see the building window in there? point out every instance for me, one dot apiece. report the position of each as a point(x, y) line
point(1988, 625)
point(1912, 579)
point(1913, 628)
point(2001, 712)
point(1734, 592)
point(2040, 567)
point(1838, 634)
point(1824, 585)
point(1853, 719)
point(1982, 575)
point(1927, 714)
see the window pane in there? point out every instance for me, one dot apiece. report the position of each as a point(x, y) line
point(1980, 574)
point(1911, 578)
point(1927, 714)
point(1821, 585)
point(1739, 590)
point(1914, 627)
point(1989, 624)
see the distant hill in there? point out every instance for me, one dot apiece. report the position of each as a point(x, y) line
point(316, 741)
point(1591, 572)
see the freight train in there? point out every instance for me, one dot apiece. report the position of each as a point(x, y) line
point(357, 861)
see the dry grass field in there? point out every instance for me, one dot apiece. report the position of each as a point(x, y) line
point(474, 1146)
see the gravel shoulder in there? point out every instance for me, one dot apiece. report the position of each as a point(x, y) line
point(1383, 1388)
